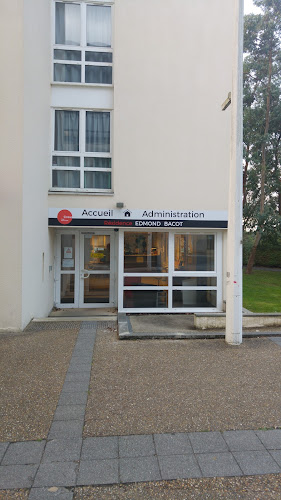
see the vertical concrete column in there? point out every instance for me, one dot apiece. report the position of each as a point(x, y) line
point(234, 277)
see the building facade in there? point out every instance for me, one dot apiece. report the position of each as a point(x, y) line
point(115, 155)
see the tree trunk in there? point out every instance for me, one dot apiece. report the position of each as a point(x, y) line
point(245, 175)
point(251, 260)
point(263, 165)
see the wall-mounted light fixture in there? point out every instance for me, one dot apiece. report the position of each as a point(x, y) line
point(227, 102)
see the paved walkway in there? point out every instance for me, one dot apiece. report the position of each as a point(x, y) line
point(65, 460)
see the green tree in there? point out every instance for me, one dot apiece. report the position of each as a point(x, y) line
point(262, 123)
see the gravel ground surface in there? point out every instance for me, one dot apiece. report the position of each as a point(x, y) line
point(14, 495)
point(32, 371)
point(152, 386)
point(232, 488)
point(229, 488)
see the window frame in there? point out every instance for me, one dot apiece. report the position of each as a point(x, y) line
point(82, 48)
point(217, 272)
point(82, 153)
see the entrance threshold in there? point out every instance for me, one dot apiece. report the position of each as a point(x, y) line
point(73, 314)
point(82, 313)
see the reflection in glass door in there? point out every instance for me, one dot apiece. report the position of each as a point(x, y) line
point(67, 269)
point(96, 260)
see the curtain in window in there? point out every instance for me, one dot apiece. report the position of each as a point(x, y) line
point(67, 73)
point(67, 130)
point(97, 132)
point(67, 23)
point(97, 180)
point(98, 26)
point(98, 74)
point(66, 179)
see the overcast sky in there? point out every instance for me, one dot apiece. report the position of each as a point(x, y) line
point(249, 7)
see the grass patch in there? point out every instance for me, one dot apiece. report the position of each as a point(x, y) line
point(262, 291)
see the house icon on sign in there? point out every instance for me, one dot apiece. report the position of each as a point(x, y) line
point(127, 213)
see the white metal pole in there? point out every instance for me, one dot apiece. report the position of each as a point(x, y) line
point(234, 277)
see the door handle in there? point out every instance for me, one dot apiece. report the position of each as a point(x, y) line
point(83, 272)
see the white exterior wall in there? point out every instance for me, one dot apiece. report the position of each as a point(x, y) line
point(11, 148)
point(37, 280)
point(171, 140)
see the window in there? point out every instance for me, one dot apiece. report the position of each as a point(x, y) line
point(171, 271)
point(81, 156)
point(82, 46)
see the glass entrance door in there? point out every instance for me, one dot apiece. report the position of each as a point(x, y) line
point(85, 269)
point(96, 275)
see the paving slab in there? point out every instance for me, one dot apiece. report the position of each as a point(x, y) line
point(62, 450)
point(84, 367)
point(271, 439)
point(50, 493)
point(179, 467)
point(69, 412)
point(207, 442)
point(139, 469)
point(77, 377)
point(17, 476)
point(77, 386)
point(56, 474)
point(3, 448)
point(73, 398)
point(256, 462)
point(24, 453)
point(66, 429)
point(172, 444)
point(242, 440)
point(218, 465)
point(276, 454)
point(136, 446)
point(98, 448)
point(98, 472)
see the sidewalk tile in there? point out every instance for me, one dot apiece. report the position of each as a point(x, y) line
point(98, 472)
point(17, 476)
point(24, 453)
point(242, 441)
point(271, 439)
point(80, 359)
point(73, 398)
point(56, 474)
point(75, 386)
point(179, 467)
point(256, 462)
point(62, 450)
point(81, 368)
point(64, 429)
point(3, 448)
point(78, 377)
point(172, 444)
point(136, 446)
point(46, 494)
point(207, 442)
point(276, 454)
point(70, 412)
point(139, 469)
point(98, 448)
point(218, 465)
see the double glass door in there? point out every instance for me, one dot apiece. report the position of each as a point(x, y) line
point(85, 274)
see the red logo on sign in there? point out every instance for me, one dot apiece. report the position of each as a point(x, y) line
point(64, 216)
